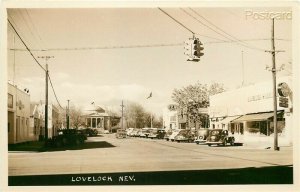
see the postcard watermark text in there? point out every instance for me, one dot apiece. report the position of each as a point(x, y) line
point(268, 15)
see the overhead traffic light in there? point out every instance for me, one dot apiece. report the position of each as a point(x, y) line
point(193, 49)
point(197, 48)
point(188, 48)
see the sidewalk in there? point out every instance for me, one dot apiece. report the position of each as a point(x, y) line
point(262, 142)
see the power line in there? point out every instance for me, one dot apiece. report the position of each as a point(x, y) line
point(251, 47)
point(213, 24)
point(147, 46)
point(25, 45)
point(34, 28)
point(237, 40)
point(36, 61)
point(144, 46)
point(202, 23)
point(54, 92)
point(245, 40)
point(176, 21)
point(105, 47)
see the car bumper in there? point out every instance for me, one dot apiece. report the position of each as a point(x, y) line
point(200, 141)
point(214, 142)
point(185, 139)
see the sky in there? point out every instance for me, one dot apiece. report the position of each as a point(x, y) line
point(101, 71)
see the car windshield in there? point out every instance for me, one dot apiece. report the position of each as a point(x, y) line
point(215, 132)
point(202, 132)
point(121, 131)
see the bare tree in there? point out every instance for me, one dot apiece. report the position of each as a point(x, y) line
point(135, 115)
point(193, 97)
point(76, 118)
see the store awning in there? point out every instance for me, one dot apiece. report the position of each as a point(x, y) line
point(254, 117)
point(228, 119)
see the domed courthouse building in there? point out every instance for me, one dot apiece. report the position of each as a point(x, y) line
point(97, 118)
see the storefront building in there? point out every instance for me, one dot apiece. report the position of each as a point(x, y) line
point(247, 112)
point(37, 121)
point(170, 119)
point(18, 114)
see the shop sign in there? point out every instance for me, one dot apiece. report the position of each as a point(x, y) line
point(283, 89)
point(283, 102)
point(20, 105)
point(259, 97)
point(172, 107)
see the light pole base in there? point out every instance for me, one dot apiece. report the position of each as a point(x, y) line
point(276, 148)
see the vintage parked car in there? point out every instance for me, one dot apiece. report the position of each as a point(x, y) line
point(219, 137)
point(174, 134)
point(185, 136)
point(153, 134)
point(201, 136)
point(145, 132)
point(157, 134)
point(161, 133)
point(121, 133)
point(137, 133)
point(67, 137)
point(128, 131)
point(168, 134)
point(90, 132)
point(133, 133)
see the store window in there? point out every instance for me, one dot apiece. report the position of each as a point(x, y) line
point(173, 118)
point(10, 101)
point(253, 127)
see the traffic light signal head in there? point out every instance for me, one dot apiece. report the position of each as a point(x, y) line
point(197, 48)
point(188, 48)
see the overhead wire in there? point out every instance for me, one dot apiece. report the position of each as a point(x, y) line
point(240, 43)
point(34, 28)
point(26, 45)
point(144, 46)
point(54, 92)
point(48, 76)
point(177, 21)
point(22, 16)
point(213, 24)
point(105, 47)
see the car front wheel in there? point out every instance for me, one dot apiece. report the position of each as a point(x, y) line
point(232, 142)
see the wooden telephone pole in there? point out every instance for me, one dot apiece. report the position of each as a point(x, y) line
point(46, 94)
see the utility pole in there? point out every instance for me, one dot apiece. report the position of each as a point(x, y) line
point(273, 52)
point(243, 68)
point(276, 148)
point(151, 120)
point(68, 115)
point(46, 95)
point(122, 115)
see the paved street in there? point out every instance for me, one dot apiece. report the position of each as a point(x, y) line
point(140, 155)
